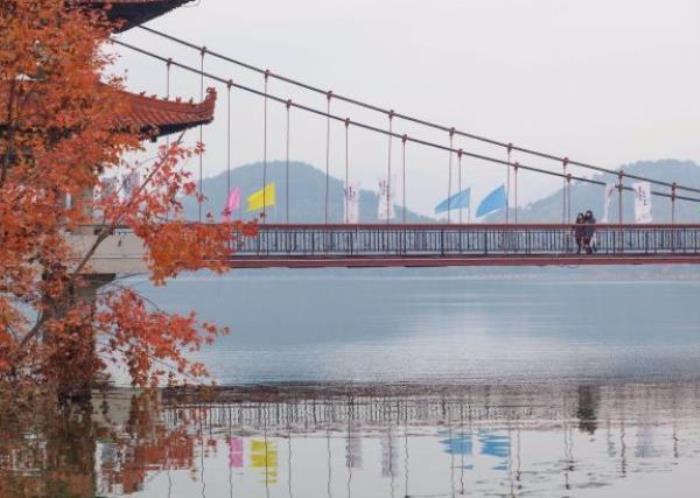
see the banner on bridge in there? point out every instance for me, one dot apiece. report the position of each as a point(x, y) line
point(642, 202)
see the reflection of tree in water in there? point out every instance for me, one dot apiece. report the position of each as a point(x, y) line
point(143, 444)
point(46, 450)
point(588, 401)
point(51, 450)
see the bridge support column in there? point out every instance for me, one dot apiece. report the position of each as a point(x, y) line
point(75, 361)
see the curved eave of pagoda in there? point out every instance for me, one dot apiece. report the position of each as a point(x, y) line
point(149, 116)
point(154, 117)
point(134, 12)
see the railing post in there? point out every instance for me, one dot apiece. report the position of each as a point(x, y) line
point(529, 242)
point(646, 242)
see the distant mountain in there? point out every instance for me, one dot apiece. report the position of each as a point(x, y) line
point(307, 188)
point(306, 195)
point(588, 196)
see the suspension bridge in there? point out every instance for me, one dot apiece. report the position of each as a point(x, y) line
point(392, 241)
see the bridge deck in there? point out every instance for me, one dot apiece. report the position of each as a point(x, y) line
point(385, 245)
point(439, 261)
point(388, 245)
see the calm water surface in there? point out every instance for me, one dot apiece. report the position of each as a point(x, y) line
point(551, 382)
point(448, 325)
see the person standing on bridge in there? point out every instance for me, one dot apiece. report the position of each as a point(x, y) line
point(589, 238)
point(579, 232)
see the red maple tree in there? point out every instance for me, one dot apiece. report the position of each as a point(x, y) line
point(62, 128)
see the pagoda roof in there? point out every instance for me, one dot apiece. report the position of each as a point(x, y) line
point(154, 117)
point(157, 117)
point(135, 12)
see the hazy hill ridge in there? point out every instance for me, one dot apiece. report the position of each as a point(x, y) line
point(307, 192)
point(588, 196)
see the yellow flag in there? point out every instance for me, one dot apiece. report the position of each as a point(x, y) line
point(262, 198)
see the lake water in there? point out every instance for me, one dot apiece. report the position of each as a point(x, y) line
point(452, 325)
point(551, 382)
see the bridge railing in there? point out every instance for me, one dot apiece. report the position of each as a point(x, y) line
point(465, 240)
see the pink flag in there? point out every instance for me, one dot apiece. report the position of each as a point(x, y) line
point(236, 452)
point(232, 203)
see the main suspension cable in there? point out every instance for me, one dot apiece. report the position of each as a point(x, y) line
point(408, 118)
point(378, 130)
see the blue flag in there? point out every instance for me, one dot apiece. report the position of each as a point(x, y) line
point(460, 200)
point(493, 202)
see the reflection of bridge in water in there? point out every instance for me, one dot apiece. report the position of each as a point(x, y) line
point(318, 409)
point(364, 441)
point(434, 441)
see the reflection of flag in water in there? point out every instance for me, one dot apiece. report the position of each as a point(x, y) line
point(389, 462)
point(645, 443)
point(235, 456)
point(263, 456)
point(353, 451)
point(496, 445)
point(458, 445)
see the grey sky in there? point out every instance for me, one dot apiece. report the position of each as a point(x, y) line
point(603, 81)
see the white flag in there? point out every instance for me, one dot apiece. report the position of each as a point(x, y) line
point(131, 184)
point(609, 193)
point(386, 202)
point(352, 203)
point(642, 202)
point(108, 187)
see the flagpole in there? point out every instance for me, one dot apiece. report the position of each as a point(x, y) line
point(459, 181)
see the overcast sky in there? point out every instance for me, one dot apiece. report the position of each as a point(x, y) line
point(602, 81)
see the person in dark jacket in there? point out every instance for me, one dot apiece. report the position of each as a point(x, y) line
point(589, 232)
point(579, 231)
